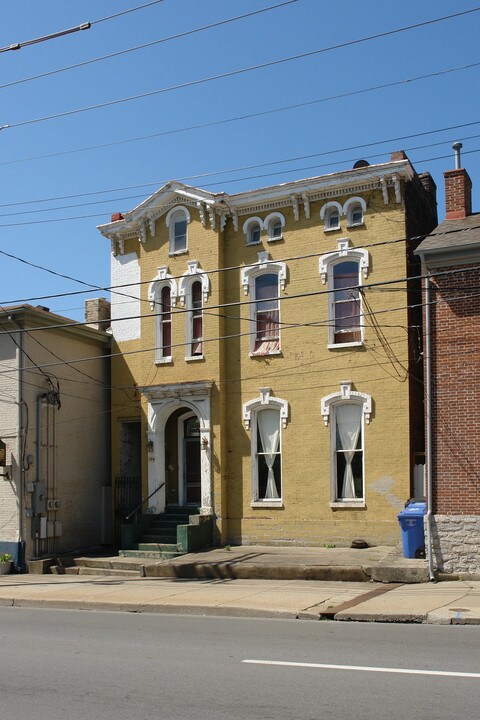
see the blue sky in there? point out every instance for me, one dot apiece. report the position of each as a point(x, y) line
point(49, 160)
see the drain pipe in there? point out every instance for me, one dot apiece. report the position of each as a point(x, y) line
point(428, 412)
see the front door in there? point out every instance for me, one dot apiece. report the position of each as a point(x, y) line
point(191, 461)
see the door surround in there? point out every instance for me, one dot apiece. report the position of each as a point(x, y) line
point(162, 401)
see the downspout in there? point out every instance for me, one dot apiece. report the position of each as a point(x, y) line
point(21, 441)
point(428, 413)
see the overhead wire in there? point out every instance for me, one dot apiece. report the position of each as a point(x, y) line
point(240, 71)
point(143, 45)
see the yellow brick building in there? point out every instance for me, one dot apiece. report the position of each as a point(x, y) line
point(276, 364)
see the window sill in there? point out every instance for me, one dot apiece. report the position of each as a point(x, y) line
point(332, 229)
point(177, 252)
point(348, 504)
point(264, 354)
point(274, 239)
point(194, 358)
point(339, 346)
point(354, 225)
point(267, 504)
point(257, 242)
point(164, 361)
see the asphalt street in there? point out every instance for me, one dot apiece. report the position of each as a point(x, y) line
point(59, 663)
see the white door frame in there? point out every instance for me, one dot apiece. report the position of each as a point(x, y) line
point(163, 400)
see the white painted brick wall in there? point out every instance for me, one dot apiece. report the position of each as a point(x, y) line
point(456, 543)
point(125, 269)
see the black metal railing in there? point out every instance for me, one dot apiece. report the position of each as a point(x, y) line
point(127, 494)
point(142, 503)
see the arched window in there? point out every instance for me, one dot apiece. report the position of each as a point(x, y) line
point(162, 294)
point(263, 281)
point(354, 209)
point(253, 230)
point(195, 320)
point(266, 416)
point(344, 269)
point(345, 303)
point(274, 224)
point(330, 214)
point(346, 411)
point(177, 222)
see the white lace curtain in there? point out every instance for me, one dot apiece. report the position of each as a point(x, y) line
point(269, 428)
point(349, 424)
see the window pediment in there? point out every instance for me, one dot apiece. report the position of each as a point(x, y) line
point(346, 394)
point(162, 279)
point(265, 400)
point(263, 265)
point(344, 251)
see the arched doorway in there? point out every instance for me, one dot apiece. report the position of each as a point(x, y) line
point(182, 459)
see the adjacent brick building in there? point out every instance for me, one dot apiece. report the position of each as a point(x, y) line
point(451, 264)
point(276, 390)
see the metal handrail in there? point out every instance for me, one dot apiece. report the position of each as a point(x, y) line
point(140, 505)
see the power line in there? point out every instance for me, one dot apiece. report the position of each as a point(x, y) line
point(214, 173)
point(144, 45)
point(70, 31)
point(241, 71)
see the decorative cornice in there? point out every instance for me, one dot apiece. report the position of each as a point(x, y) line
point(265, 400)
point(344, 249)
point(161, 279)
point(176, 390)
point(193, 273)
point(346, 394)
point(251, 272)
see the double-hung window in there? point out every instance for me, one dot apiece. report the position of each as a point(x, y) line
point(345, 303)
point(266, 416)
point(347, 411)
point(344, 270)
point(162, 294)
point(164, 346)
point(267, 314)
point(195, 320)
point(177, 220)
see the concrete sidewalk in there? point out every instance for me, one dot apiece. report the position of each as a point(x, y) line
point(442, 603)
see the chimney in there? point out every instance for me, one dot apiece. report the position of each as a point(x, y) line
point(458, 189)
point(429, 184)
point(97, 313)
point(398, 155)
point(117, 216)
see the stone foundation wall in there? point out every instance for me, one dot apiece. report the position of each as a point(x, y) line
point(456, 543)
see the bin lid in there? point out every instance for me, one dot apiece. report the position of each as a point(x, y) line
point(414, 509)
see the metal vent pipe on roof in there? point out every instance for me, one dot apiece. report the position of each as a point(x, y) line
point(457, 146)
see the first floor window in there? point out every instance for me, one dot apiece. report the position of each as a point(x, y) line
point(196, 320)
point(348, 451)
point(267, 314)
point(268, 471)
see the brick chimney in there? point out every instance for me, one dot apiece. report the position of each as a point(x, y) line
point(117, 216)
point(458, 194)
point(97, 313)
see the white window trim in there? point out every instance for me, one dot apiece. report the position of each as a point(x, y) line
point(171, 228)
point(264, 266)
point(268, 222)
point(161, 280)
point(250, 409)
point(326, 262)
point(350, 206)
point(193, 274)
point(325, 213)
point(247, 226)
point(328, 404)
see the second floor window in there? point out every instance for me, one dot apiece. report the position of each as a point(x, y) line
point(165, 324)
point(345, 303)
point(266, 315)
point(196, 320)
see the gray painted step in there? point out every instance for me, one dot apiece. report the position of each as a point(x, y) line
point(150, 555)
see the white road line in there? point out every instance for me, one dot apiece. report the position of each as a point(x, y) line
point(364, 668)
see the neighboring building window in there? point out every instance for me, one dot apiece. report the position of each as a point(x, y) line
point(266, 315)
point(162, 294)
point(196, 320)
point(354, 209)
point(177, 222)
point(330, 214)
point(346, 410)
point(344, 269)
point(263, 281)
point(274, 224)
point(345, 303)
point(266, 415)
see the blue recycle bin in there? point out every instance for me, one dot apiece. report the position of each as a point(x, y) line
point(411, 525)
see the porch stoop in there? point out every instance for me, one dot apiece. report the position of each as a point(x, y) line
point(176, 532)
